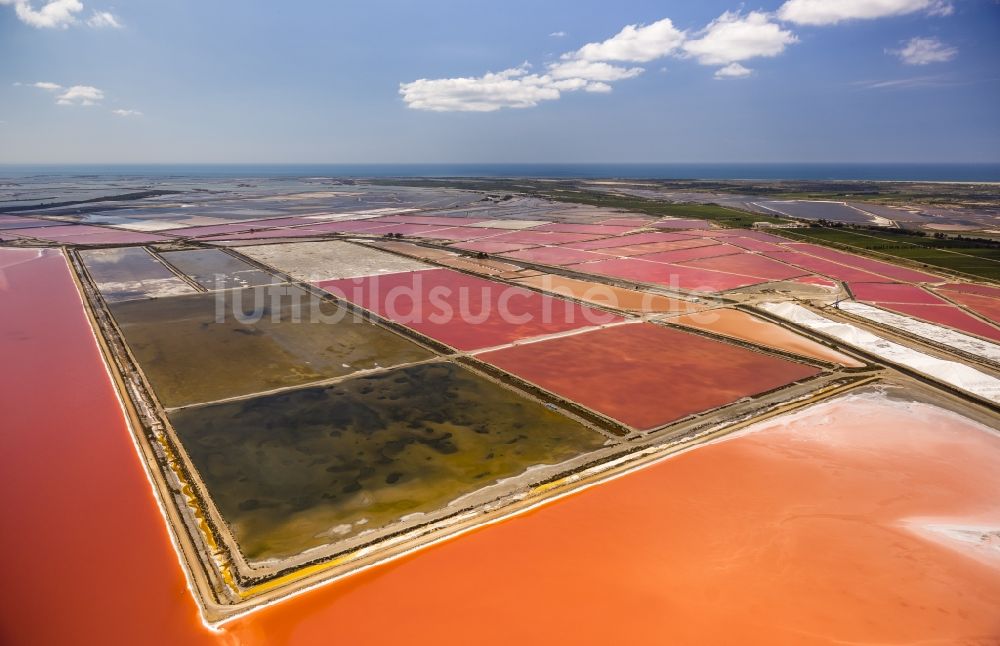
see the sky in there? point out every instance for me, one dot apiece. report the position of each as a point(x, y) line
point(558, 81)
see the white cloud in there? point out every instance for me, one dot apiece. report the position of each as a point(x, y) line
point(634, 43)
point(726, 42)
point(59, 14)
point(511, 88)
point(558, 34)
point(915, 82)
point(104, 20)
point(54, 14)
point(80, 95)
point(732, 71)
point(127, 113)
point(830, 12)
point(45, 85)
point(923, 51)
point(590, 68)
point(592, 71)
point(732, 37)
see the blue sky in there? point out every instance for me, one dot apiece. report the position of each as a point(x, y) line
point(379, 81)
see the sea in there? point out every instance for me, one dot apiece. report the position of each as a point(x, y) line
point(922, 172)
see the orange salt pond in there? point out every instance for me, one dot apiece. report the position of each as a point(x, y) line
point(607, 296)
point(857, 520)
point(746, 327)
point(831, 525)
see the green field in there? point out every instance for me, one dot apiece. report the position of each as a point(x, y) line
point(974, 259)
point(970, 258)
point(966, 257)
point(566, 192)
point(719, 214)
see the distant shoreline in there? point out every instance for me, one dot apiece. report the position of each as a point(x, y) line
point(979, 173)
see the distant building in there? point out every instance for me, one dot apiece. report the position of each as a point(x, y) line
point(783, 225)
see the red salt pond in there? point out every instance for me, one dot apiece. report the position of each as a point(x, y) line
point(759, 235)
point(748, 264)
point(948, 315)
point(629, 240)
point(638, 250)
point(852, 260)
point(753, 244)
point(973, 288)
point(646, 375)
point(725, 234)
point(674, 276)
point(893, 293)
point(464, 311)
point(555, 255)
point(985, 306)
point(702, 251)
point(655, 247)
point(89, 559)
point(826, 267)
point(815, 528)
